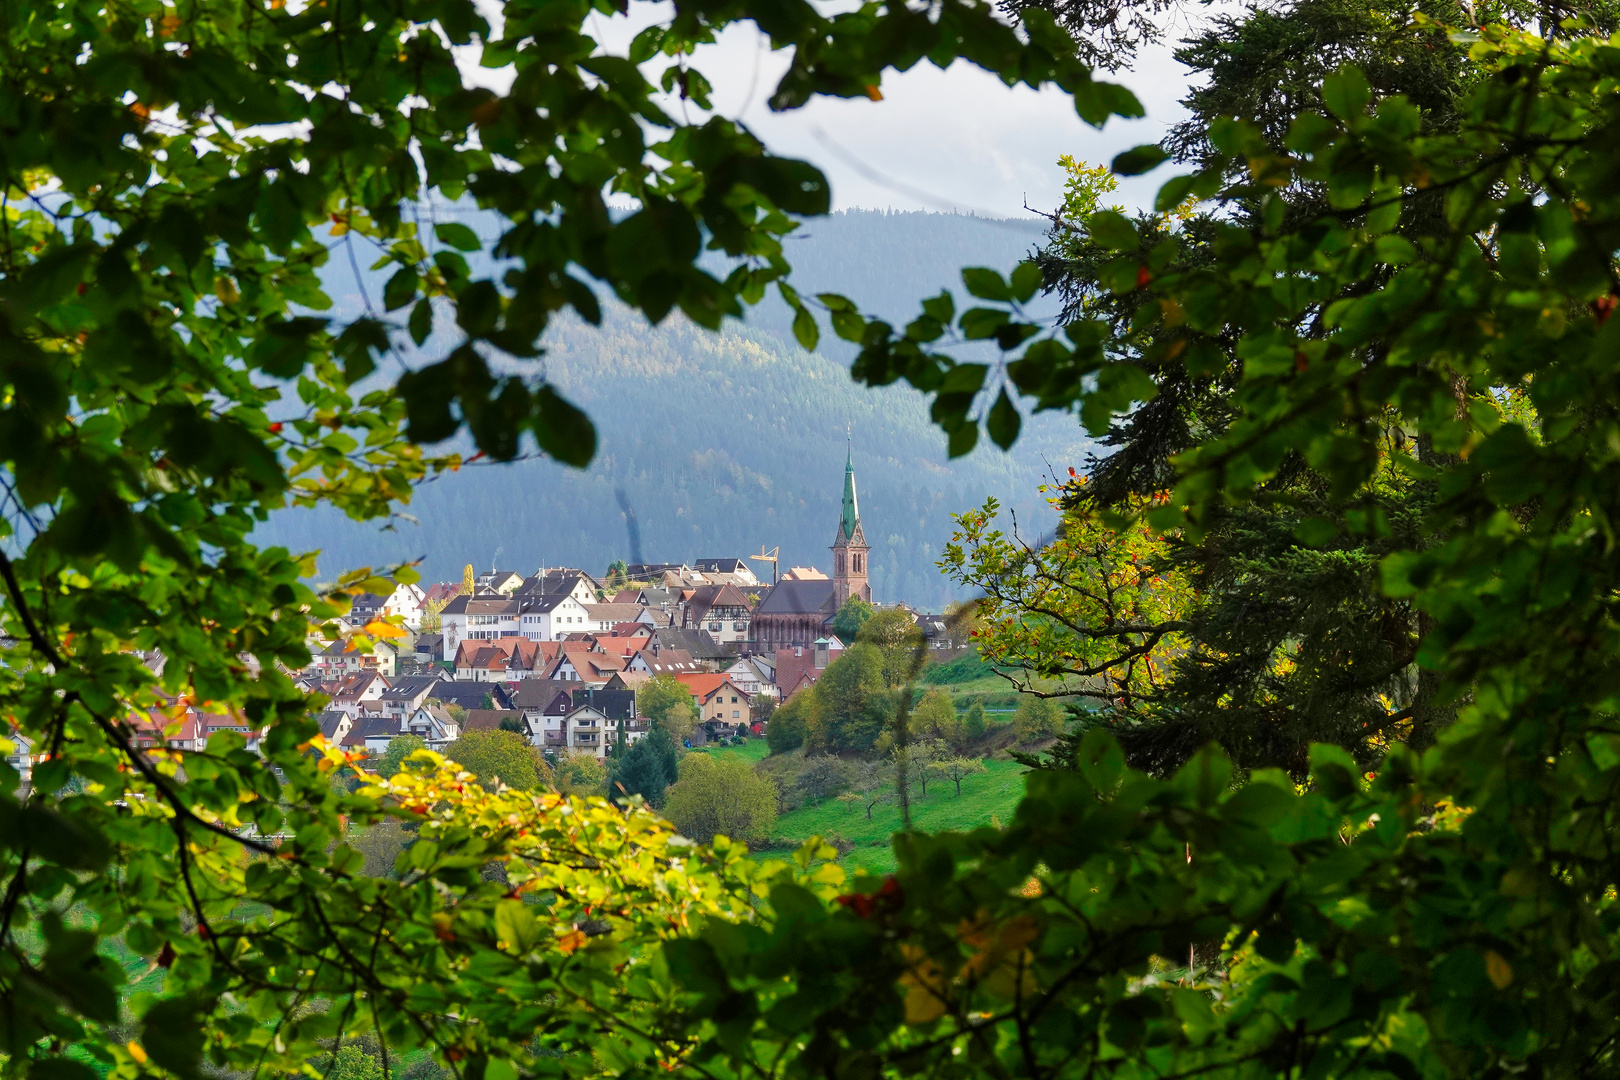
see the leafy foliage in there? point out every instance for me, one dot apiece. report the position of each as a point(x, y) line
point(721, 796)
point(647, 768)
point(850, 618)
point(1103, 610)
point(666, 700)
point(785, 731)
point(398, 750)
point(500, 756)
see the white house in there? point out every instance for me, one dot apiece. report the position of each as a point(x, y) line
point(433, 725)
point(408, 602)
point(554, 616)
point(477, 618)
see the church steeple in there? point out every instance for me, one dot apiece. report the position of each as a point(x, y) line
point(849, 547)
point(851, 519)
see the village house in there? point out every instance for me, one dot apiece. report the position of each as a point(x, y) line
point(406, 694)
point(721, 703)
point(753, 675)
point(433, 724)
point(720, 610)
point(799, 667)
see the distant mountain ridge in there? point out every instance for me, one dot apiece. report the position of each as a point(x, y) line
point(719, 443)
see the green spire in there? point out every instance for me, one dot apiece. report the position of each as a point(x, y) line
point(852, 512)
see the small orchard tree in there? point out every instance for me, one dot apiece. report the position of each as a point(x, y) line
point(918, 756)
point(822, 776)
point(870, 783)
point(934, 717)
point(956, 769)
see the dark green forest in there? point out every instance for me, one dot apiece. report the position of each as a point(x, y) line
point(722, 443)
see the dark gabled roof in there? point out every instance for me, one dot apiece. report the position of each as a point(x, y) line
point(374, 727)
point(696, 642)
point(407, 687)
point(614, 704)
point(540, 603)
point(487, 719)
point(470, 695)
point(493, 604)
point(720, 566)
point(814, 597)
point(541, 693)
point(555, 582)
point(330, 721)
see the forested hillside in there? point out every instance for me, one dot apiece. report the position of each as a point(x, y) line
point(723, 443)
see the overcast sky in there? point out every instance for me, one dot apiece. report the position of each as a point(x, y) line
point(939, 140)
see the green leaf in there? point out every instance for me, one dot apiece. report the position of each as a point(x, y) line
point(516, 927)
point(941, 307)
point(458, 236)
point(421, 322)
point(400, 288)
point(1346, 93)
point(986, 284)
point(1139, 159)
point(1003, 421)
point(172, 1036)
point(1113, 231)
point(1026, 281)
point(564, 432)
point(1315, 532)
point(805, 330)
point(962, 440)
point(977, 324)
point(60, 1068)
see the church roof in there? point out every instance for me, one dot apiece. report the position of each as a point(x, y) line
point(798, 598)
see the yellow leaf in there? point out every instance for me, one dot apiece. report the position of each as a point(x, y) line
point(379, 628)
point(925, 989)
point(874, 93)
point(135, 1051)
point(168, 25)
point(225, 289)
point(1498, 969)
point(571, 941)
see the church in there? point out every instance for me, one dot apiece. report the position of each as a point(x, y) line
point(796, 612)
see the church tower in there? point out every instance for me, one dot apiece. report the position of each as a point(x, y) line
point(849, 548)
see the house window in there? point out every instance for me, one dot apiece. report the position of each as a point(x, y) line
point(734, 712)
point(714, 627)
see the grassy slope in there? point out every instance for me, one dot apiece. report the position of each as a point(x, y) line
point(988, 797)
